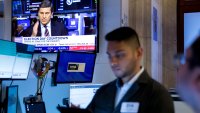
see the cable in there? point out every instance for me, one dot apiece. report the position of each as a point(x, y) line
point(11, 82)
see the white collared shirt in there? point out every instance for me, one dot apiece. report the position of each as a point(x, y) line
point(43, 29)
point(121, 91)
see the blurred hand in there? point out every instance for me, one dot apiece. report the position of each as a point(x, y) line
point(188, 86)
point(35, 29)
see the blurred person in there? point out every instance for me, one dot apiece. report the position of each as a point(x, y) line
point(44, 26)
point(20, 31)
point(134, 91)
point(188, 76)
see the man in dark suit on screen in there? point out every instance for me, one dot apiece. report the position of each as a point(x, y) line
point(134, 91)
point(46, 27)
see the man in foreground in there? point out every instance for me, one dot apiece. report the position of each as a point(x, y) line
point(133, 91)
point(188, 77)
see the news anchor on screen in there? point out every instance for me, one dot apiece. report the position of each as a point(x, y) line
point(45, 26)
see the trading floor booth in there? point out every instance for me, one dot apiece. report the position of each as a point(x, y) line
point(68, 67)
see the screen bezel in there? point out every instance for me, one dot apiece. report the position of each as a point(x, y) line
point(7, 94)
point(67, 82)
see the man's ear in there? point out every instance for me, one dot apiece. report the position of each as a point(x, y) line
point(139, 52)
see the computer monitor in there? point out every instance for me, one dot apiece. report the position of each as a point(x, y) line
point(11, 99)
point(15, 60)
point(191, 28)
point(75, 67)
point(17, 7)
point(69, 6)
point(82, 94)
point(24, 22)
point(30, 6)
point(35, 107)
point(72, 23)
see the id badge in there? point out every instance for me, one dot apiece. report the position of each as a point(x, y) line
point(129, 107)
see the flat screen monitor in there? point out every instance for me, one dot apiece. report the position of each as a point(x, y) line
point(25, 7)
point(82, 94)
point(17, 7)
point(11, 99)
point(15, 60)
point(24, 22)
point(69, 6)
point(75, 67)
point(191, 27)
point(79, 17)
point(35, 107)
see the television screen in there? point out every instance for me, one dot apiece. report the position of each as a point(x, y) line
point(11, 99)
point(16, 7)
point(82, 94)
point(73, 25)
point(75, 67)
point(63, 6)
point(24, 22)
point(15, 60)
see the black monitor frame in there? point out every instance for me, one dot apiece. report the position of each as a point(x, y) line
point(57, 63)
point(7, 97)
point(13, 25)
point(184, 6)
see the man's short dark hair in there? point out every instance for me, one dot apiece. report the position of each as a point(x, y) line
point(123, 34)
point(46, 4)
point(195, 57)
